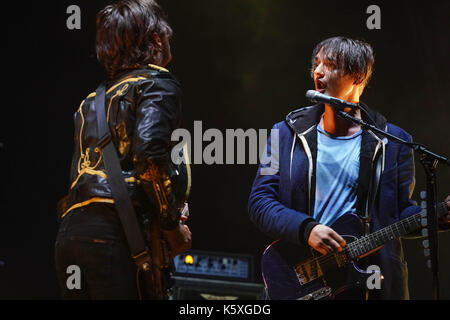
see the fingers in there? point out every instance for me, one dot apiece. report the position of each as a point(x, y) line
point(327, 248)
point(322, 250)
point(328, 245)
point(332, 244)
point(186, 228)
point(338, 239)
point(325, 240)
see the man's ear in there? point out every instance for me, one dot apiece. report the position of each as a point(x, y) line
point(157, 41)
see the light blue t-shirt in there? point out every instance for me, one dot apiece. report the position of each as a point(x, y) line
point(336, 175)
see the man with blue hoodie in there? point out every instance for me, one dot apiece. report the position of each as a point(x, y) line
point(324, 167)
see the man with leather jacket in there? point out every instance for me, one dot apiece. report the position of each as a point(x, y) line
point(143, 107)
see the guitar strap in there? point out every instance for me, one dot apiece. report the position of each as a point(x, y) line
point(375, 175)
point(122, 200)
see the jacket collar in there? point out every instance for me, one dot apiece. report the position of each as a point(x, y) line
point(301, 120)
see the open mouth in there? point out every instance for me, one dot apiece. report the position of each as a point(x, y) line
point(320, 86)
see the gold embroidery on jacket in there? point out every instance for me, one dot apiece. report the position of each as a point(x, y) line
point(84, 162)
point(157, 67)
point(87, 202)
point(161, 184)
point(118, 94)
point(135, 79)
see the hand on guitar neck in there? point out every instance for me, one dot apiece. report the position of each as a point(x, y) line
point(325, 240)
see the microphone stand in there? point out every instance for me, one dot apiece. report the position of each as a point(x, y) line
point(429, 161)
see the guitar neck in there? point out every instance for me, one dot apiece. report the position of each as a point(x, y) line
point(368, 243)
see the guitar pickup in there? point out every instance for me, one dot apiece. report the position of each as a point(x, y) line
point(308, 271)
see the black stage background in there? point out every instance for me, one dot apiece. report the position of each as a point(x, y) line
point(242, 64)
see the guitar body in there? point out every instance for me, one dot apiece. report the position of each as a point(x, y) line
point(285, 280)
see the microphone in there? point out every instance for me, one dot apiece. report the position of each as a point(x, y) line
point(316, 96)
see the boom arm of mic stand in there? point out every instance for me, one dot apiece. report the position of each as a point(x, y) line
point(415, 146)
point(429, 161)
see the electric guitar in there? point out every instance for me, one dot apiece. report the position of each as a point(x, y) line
point(292, 272)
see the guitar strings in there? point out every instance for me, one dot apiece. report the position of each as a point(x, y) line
point(331, 257)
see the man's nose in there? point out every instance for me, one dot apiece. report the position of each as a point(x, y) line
point(319, 70)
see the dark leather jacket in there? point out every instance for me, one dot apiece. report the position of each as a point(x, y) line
point(143, 108)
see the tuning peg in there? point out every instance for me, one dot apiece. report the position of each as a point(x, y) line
point(424, 222)
point(423, 204)
point(425, 232)
point(429, 264)
point(426, 252)
point(426, 244)
point(423, 195)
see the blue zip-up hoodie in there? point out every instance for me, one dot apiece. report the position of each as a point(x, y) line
point(282, 197)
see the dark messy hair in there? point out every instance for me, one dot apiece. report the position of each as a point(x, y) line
point(353, 57)
point(124, 38)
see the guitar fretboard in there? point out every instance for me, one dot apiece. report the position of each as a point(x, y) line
point(380, 237)
point(313, 268)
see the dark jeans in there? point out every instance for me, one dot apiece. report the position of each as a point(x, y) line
point(92, 239)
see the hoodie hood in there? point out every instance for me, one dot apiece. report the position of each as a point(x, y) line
point(301, 120)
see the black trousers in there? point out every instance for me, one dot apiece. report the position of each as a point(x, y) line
point(92, 256)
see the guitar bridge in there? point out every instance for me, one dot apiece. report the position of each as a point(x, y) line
point(318, 294)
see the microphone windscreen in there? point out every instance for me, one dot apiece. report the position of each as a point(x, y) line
point(311, 94)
